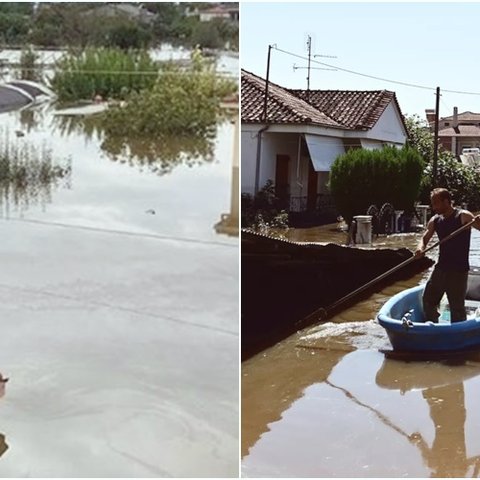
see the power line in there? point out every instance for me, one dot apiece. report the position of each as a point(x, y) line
point(406, 84)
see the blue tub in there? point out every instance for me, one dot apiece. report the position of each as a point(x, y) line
point(402, 317)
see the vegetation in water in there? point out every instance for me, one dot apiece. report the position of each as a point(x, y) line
point(108, 72)
point(183, 101)
point(29, 65)
point(28, 173)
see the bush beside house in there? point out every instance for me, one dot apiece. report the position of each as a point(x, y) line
point(361, 178)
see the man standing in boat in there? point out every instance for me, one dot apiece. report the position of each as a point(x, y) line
point(450, 273)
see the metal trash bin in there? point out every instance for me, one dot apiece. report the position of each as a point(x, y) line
point(364, 229)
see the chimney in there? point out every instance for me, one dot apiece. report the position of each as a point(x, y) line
point(430, 114)
point(455, 117)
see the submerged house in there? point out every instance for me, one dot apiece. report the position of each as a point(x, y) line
point(303, 134)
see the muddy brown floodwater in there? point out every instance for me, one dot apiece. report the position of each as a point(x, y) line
point(326, 402)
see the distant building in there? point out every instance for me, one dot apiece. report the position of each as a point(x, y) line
point(130, 11)
point(225, 11)
point(458, 131)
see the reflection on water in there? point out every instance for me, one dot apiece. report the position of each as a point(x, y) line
point(347, 423)
point(328, 404)
point(444, 392)
point(28, 174)
point(160, 155)
point(229, 222)
point(32, 117)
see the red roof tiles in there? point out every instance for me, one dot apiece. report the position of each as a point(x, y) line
point(357, 110)
point(283, 106)
point(352, 110)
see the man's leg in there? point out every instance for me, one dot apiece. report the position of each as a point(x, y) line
point(456, 291)
point(434, 290)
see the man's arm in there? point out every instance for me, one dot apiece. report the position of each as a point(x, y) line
point(468, 217)
point(425, 238)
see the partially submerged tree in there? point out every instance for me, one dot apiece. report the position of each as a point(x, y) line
point(183, 101)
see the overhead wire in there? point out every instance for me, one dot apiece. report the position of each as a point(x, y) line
point(353, 72)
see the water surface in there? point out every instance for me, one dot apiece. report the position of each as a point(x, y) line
point(326, 402)
point(119, 308)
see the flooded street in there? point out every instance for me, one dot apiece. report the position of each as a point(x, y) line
point(326, 402)
point(119, 306)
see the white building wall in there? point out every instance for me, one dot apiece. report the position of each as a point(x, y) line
point(389, 128)
point(270, 146)
point(283, 140)
point(248, 157)
point(273, 144)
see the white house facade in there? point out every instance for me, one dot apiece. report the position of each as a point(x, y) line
point(300, 141)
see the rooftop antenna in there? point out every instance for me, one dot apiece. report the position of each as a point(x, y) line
point(309, 67)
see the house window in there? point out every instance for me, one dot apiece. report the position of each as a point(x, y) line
point(447, 124)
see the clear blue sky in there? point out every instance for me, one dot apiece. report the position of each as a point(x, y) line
point(430, 44)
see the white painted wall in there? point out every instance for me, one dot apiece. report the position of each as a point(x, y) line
point(283, 140)
point(273, 144)
point(248, 156)
point(389, 128)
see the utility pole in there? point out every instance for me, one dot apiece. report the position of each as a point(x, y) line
point(265, 105)
point(435, 140)
point(309, 48)
point(265, 127)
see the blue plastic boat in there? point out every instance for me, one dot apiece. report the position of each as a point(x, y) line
point(403, 319)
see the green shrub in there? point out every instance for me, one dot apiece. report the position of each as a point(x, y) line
point(183, 101)
point(263, 212)
point(462, 181)
point(109, 72)
point(360, 178)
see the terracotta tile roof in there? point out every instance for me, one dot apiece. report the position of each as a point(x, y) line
point(465, 117)
point(460, 131)
point(283, 106)
point(357, 110)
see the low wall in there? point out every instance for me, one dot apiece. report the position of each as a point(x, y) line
point(283, 282)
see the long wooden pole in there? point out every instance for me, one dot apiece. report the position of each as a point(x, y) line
point(435, 140)
point(322, 313)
